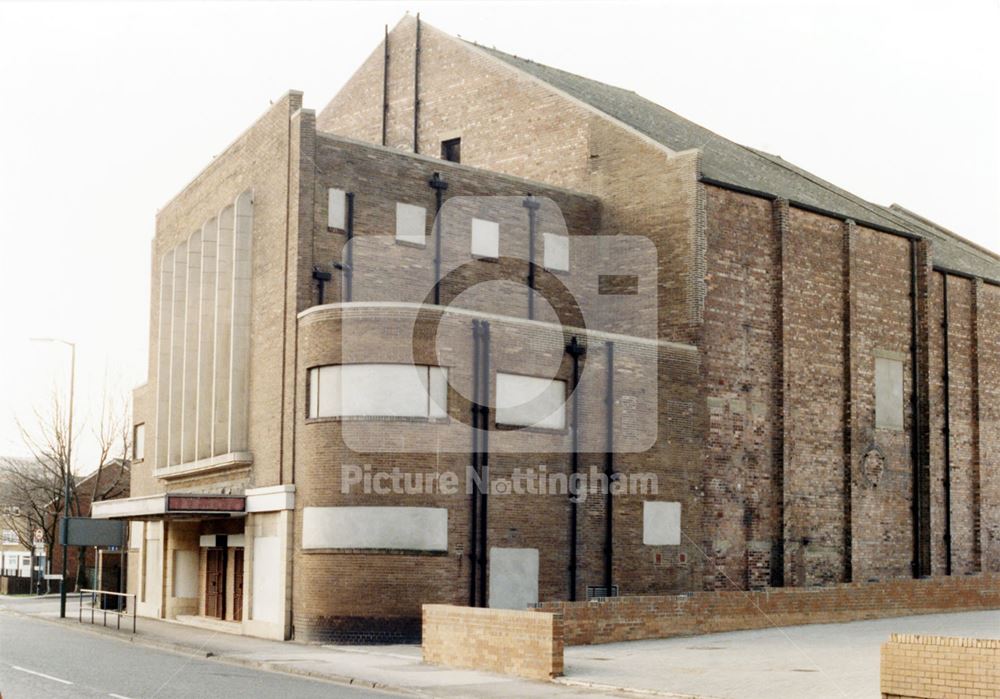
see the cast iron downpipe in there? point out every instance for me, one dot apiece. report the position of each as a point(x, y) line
point(474, 458)
point(575, 350)
point(385, 84)
point(484, 460)
point(416, 87)
point(609, 468)
point(349, 261)
point(915, 446)
point(947, 427)
point(532, 205)
point(439, 186)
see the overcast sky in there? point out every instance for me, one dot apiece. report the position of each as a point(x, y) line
point(109, 109)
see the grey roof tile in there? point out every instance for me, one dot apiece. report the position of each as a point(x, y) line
point(730, 162)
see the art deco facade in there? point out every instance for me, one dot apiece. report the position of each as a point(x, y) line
point(811, 378)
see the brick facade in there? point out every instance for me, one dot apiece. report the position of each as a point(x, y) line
point(769, 320)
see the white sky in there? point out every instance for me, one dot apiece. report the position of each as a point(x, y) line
point(109, 109)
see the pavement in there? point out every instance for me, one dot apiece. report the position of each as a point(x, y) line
point(817, 661)
point(390, 669)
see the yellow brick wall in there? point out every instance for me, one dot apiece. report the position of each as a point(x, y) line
point(936, 667)
point(511, 642)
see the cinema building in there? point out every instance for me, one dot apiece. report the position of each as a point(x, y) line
point(468, 262)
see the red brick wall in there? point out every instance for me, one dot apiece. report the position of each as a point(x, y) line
point(636, 618)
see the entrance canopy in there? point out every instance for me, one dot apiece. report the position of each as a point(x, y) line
point(168, 504)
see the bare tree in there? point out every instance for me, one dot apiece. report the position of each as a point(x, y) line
point(34, 486)
point(32, 489)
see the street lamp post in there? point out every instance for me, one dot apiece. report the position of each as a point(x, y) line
point(66, 471)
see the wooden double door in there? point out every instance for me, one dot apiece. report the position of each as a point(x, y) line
point(215, 582)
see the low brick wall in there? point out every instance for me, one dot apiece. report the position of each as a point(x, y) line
point(522, 643)
point(636, 618)
point(936, 667)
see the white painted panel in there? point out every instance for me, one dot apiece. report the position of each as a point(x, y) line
point(265, 588)
point(438, 392)
point(485, 238)
point(236, 541)
point(185, 581)
point(336, 213)
point(139, 442)
point(406, 528)
point(411, 224)
point(378, 390)
point(328, 388)
point(530, 401)
point(661, 523)
point(314, 392)
point(556, 249)
point(888, 393)
point(513, 578)
point(207, 540)
point(134, 535)
point(384, 390)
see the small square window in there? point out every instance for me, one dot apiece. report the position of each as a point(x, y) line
point(556, 248)
point(485, 238)
point(411, 224)
point(336, 212)
point(451, 150)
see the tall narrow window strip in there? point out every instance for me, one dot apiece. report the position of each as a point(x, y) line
point(139, 442)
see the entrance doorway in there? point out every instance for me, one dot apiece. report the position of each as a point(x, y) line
point(215, 583)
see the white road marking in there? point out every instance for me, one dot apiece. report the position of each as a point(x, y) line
point(117, 696)
point(41, 674)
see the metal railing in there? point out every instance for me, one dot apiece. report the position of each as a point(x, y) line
point(118, 610)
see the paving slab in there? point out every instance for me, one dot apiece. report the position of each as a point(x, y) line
point(816, 661)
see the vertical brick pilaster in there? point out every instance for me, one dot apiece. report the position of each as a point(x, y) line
point(977, 453)
point(924, 270)
point(779, 563)
point(850, 391)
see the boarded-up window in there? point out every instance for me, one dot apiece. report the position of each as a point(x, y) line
point(336, 212)
point(378, 390)
point(661, 523)
point(530, 401)
point(888, 393)
point(411, 224)
point(485, 238)
point(556, 252)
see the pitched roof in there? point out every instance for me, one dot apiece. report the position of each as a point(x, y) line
point(730, 162)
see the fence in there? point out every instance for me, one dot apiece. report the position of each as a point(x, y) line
point(99, 604)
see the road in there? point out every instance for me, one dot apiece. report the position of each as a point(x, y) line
point(40, 659)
